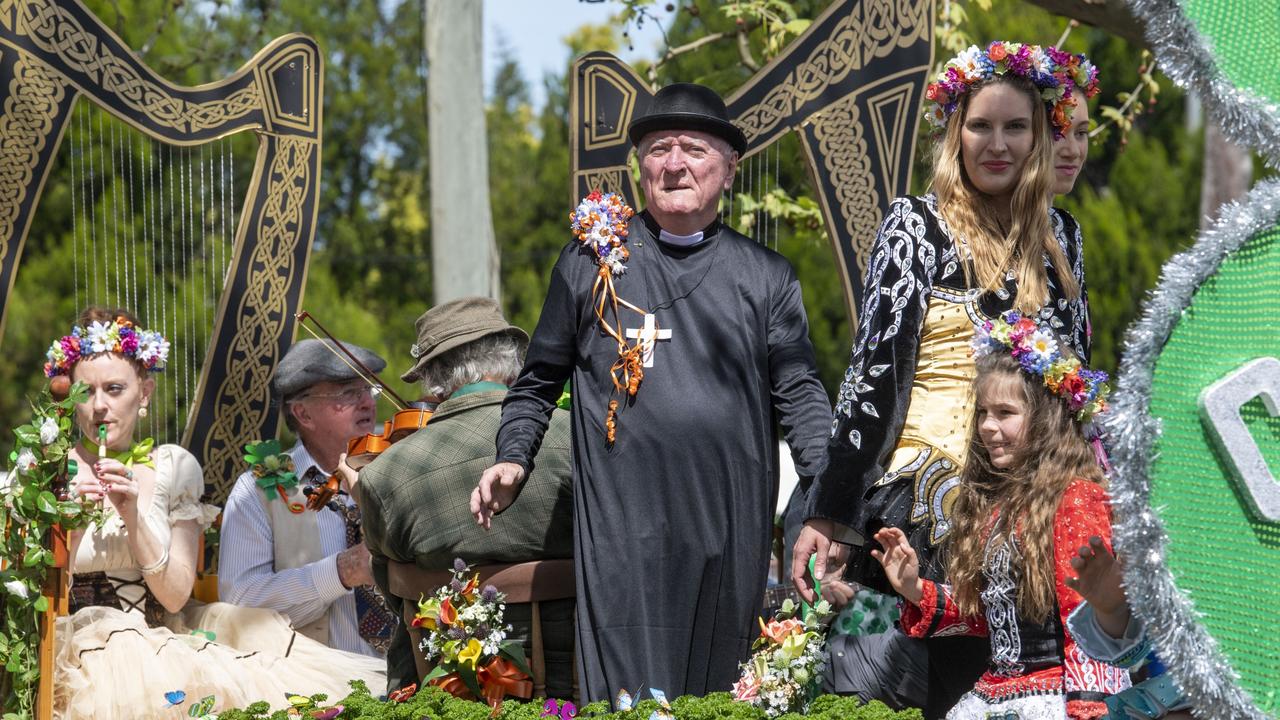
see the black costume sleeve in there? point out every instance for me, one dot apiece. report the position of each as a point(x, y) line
point(798, 396)
point(1075, 254)
point(876, 391)
point(548, 364)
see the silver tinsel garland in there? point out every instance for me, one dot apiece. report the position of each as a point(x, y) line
point(1186, 56)
point(1191, 654)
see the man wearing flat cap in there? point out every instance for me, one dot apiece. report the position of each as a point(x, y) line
point(675, 485)
point(414, 496)
point(309, 565)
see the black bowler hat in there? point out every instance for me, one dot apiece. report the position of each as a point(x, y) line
point(686, 106)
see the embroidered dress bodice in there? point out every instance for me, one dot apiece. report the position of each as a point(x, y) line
point(1018, 645)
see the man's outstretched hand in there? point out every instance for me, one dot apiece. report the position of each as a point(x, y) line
point(815, 540)
point(497, 490)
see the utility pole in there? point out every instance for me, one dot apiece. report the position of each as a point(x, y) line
point(464, 254)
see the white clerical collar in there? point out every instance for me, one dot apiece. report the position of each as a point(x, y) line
point(681, 240)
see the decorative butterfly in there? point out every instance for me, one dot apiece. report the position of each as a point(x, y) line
point(328, 713)
point(663, 712)
point(554, 709)
point(403, 694)
point(299, 703)
point(175, 698)
point(661, 697)
point(624, 701)
point(202, 709)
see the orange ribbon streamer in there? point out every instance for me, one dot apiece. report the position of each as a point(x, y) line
point(628, 370)
point(295, 508)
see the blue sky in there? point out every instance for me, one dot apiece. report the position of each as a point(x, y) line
point(534, 30)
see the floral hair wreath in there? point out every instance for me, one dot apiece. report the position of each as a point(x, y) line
point(1053, 72)
point(1035, 347)
point(118, 336)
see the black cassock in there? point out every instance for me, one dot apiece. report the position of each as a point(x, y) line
point(672, 522)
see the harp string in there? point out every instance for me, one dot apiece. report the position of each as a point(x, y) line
point(754, 223)
point(152, 227)
point(76, 176)
point(777, 181)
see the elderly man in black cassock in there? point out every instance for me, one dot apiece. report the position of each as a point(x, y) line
point(672, 518)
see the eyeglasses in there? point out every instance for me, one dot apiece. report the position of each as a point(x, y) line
point(350, 396)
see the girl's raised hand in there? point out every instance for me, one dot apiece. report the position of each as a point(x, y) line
point(1099, 577)
point(900, 563)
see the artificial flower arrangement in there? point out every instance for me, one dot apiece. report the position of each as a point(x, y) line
point(600, 224)
point(787, 660)
point(118, 336)
point(38, 509)
point(273, 471)
point(1053, 72)
point(465, 636)
point(1035, 347)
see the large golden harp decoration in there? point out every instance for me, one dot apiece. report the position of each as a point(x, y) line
point(850, 87)
point(54, 53)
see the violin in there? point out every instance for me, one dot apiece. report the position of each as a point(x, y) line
point(363, 449)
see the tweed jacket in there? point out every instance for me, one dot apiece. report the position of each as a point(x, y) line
point(414, 501)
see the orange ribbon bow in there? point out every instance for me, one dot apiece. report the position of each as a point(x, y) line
point(500, 678)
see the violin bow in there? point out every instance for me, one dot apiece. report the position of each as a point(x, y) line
point(351, 360)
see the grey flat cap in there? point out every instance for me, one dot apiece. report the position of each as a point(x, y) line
point(309, 362)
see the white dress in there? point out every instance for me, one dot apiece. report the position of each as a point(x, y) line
point(111, 664)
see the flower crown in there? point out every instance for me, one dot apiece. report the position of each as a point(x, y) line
point(1053, 72)
point(118, 336)
point(1035, 347)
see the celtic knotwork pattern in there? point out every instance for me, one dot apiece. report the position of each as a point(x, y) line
point(261, 312)
point(843, 149)
point(51, 28)
point(874, 28)
point(606, 180)
point(35, 92)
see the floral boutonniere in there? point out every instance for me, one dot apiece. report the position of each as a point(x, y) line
point(600, 224)
point(273, 469)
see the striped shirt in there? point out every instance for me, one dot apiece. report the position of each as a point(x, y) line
point(246, 568)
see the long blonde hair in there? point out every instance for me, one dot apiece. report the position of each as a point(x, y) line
point(1025, 496)
point(970, 214)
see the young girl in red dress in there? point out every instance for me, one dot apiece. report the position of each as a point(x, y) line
point(1031, 494)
